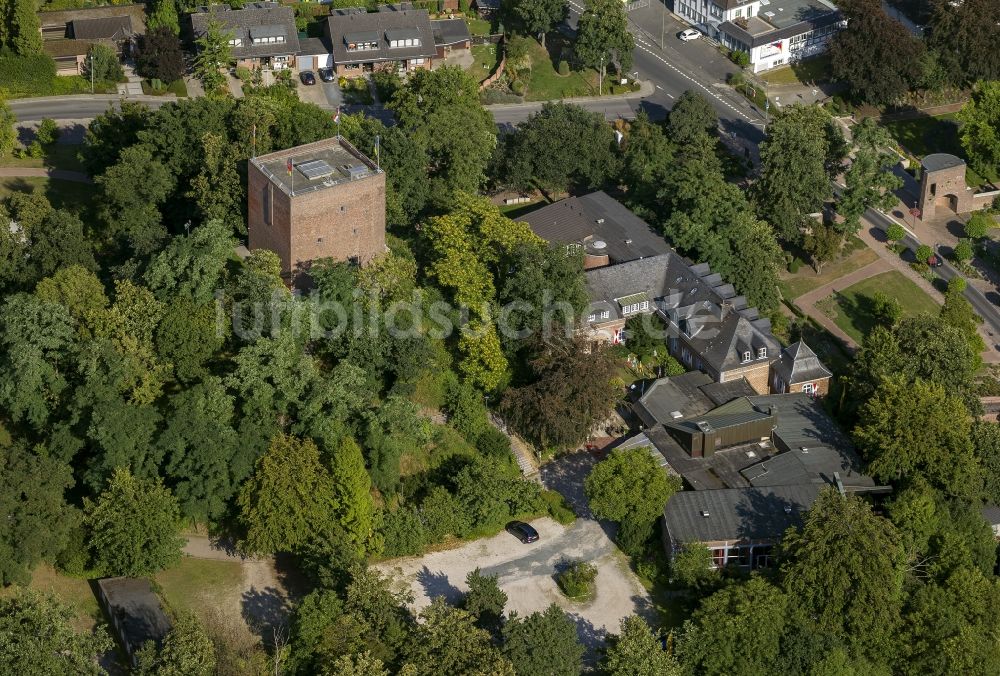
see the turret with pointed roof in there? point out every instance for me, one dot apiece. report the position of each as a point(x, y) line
point(800, 370)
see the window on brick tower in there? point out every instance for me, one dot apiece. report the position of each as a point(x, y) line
point(266, 205)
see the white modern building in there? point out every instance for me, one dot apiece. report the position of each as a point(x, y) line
point(773, 32)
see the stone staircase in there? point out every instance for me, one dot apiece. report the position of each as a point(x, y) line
point(523, 453)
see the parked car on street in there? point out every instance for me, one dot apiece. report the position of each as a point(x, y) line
point(522, 531)
point(307, 77)
point(935, 261)
point(326, 75)
point(688, 35)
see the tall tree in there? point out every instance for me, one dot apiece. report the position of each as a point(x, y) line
point(39, 637)
point(213, 54)
point(636, 511)
point(980, 130)
point(216, 190)
point(164, 16)
point(8, 135)
point(875, 55)
point(543, 644)
point(485, 601)
point(690, 116)
point(38, 519)
point(636, 651)
point(186, 651)
point(962, 35)
point(918, 429)
point(192, 266)
point(736, 630)
point(134, 526)
point(561, 146)
point(129, 208)
point(844, 572)
point(603, 37)
point(447, 641)
point(537, 17)
point(794, 180)
point(869, 181)
point(352, 492)
point(288, 499)
point(440, 109)
point(188, 336)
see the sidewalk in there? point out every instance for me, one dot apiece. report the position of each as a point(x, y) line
point(807, 302)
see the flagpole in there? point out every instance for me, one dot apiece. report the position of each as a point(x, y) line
point(378, 154)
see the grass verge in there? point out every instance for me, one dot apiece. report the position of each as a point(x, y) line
point(806, 279)
point(851, 308)
point(57, 156)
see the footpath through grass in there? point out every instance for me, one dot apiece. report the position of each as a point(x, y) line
point(851, 309)
point(805, 280)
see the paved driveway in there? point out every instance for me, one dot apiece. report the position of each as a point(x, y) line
point(526, 572)
point(323, 94)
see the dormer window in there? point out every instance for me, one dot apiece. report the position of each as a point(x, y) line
point(591, 318)
point(605, 314)
point(762, 353)
point(747, 356)
point(236, 42)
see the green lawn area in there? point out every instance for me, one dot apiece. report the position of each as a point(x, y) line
point(62, 194)
point(543, 80)
point(57, 156)
point(850, 309)
point(478, 26)
point(934, 134)
point(484, 61)
point(199, 584)
point(816, 69)
point(806, 279)
point(177, 88)
point(74, 592)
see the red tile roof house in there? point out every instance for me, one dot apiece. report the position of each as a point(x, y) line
point(68, 34)
point(262, 34)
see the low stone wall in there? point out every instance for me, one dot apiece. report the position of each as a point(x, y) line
point(495, 75)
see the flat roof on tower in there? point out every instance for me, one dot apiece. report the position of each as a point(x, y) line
point(315, 166)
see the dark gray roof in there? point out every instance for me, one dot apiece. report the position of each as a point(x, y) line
point(749, 514)
point(668, 399)
point(816, 464)
point(715, 321)
point(380, 25)
point(487, 4)
point(938, 161)
point(723, 393)
point(67, 17)
point(992, 514)
point(802, 421)
point(813, 20)
point(137, 610)
point(450, 31)
point(107, 28)
point(597, 217)
point(312, 46)
point(255, 20)
point(735, 413)
point(799, 364)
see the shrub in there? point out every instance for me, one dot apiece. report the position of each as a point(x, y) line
point(923, 253)
point(31, 74)
point(979, 225)
point(35, 150)
point(557, 507)
point(386, 83)
point(48, 132)
point(102, 63)
point(493, 442)
point(442, 515)
point(739, 57)
point(517, 86)
point(963, 251)
point(895, 232)
point(794, 265)
point(576, 580)
point(564, 67)
point(466, 410)
point(403, 533)
point(243, 73)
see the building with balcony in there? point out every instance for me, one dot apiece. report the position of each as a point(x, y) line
point(261, 34)
point(394, 38)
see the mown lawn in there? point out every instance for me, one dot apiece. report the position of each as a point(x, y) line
point(57, 156)
point(806, 279)
point(851, 309)
point(478, 26)
point(816, 69)
point(177, 87)
point(543, 81)
point(484, 61)
point(62, 194)
point(201, 584)
point(934, 134)
point(72, 591)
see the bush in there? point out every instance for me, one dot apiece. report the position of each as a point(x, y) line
point(35, 150)
point(403, 533)
point(48, 132)
point(923, 253)
point(564, 67)
point(979, 225)
point(794, 265)
point(557, 507)
point(963, 251)
point(576, 580)
point(739, 57)
point(517, 86)
point(493, 442)
point(243, 74)
point(386, 83)
point(466, 410)
point(442, 515)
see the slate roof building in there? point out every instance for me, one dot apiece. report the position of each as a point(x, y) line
point(67, 35)
point(450, 35)
point(798, 369)
point(134, 611)
point(262, 34)
point(393, 38)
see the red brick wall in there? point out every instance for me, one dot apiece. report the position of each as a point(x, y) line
point(273, 236)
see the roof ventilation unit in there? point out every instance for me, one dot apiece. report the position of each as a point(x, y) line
point(705, 513)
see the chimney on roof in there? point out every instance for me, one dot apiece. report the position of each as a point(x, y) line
point(600, 221)
point(705, 514)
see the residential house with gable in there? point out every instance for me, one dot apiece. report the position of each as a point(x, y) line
point(261, 34)
point(394, 38)
point(67, 35)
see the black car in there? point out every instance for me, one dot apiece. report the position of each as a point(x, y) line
point(326, 75)
point(307, 77)
point(522, 531)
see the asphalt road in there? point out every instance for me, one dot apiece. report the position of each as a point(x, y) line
point(983, 306)
point(73, 107)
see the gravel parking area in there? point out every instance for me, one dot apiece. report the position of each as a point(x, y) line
point(526, 572)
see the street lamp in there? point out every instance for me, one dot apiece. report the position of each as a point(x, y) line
point(91, 73)
point(600, 81)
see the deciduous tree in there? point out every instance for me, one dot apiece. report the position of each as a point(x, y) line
point(869, 181)
point(213, 54)
point(134, 526)
point(130, 208)
point(446, 641)
point(485, 601)
point(8, 135)
point(980, 130)
point(543, 644)
point(186, 651)
point(636, 651)
point(160, 56)
point(691, 115)
point(537, 17)
point(603, 36)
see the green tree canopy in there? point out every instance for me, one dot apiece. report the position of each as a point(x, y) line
point(980, 130)
point(603, 36)
point(636, 651)
point(869, 180)
point(446, 641)
point(213, 54)
point(38, 637)
point(288, 499)
point(485, 601)
point(134, 526)
point(543, 644)
point(537, 17)
point(352, 492)
point(690, 116)
point(186, 651)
